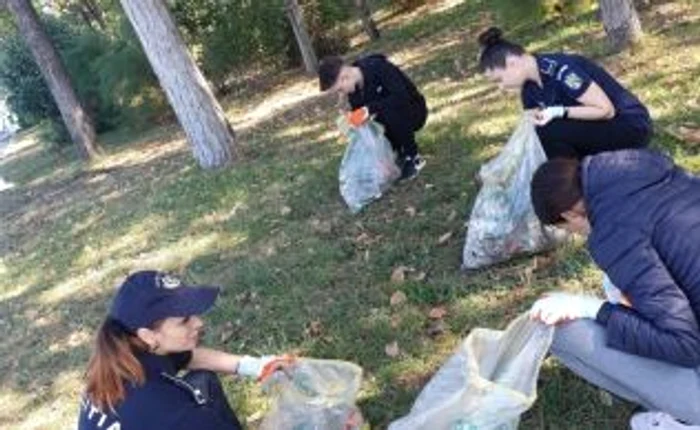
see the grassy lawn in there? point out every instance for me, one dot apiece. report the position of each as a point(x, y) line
point(300, 273)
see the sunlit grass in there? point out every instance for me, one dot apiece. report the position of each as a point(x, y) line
point(274, 225)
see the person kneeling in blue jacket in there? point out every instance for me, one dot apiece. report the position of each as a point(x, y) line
point(150, 335)
point(641, 214)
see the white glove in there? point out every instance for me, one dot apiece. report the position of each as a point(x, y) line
point(559, 306)
point(544, 116)
point(252, 367)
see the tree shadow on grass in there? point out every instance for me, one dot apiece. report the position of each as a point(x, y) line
point(43, 354)
point(306, 258)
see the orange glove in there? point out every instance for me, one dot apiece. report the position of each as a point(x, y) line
point(282, 363)
point(358, 117)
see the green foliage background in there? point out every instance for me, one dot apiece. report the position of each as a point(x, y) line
point(112, 75)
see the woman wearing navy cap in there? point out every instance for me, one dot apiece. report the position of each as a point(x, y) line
point(150, 334)
point(579, 109)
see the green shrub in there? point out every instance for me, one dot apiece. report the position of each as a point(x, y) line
point(110, 74)
point(231, 36)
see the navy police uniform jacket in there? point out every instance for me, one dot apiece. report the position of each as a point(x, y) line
point(645, 235)
point(387, 89)
point(158, 404)
point(566, 77)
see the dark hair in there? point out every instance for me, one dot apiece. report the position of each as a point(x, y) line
point(495, 49)
point(113, 363)
point(555, 189)
point(328, 70)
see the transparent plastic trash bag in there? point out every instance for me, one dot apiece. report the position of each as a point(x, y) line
point(486, 384)
point(368, 168)
point(315, 395)
point(503, 222)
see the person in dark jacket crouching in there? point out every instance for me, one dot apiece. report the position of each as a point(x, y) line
point(376, 87)
point(150, 334)
point(578, 108)
point(641, 214)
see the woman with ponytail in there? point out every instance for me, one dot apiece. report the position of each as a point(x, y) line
point(578, 108)
point(150, 335)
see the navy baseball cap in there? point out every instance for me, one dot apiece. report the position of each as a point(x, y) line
point(149, 296)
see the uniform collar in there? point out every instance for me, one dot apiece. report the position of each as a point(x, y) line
point(155, 364)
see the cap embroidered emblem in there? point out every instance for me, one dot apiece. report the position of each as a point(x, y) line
point(168, 281)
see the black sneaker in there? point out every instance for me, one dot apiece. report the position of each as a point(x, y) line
point(411, 167)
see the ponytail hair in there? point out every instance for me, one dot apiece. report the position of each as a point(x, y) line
point(113, 363)
point(495, 49)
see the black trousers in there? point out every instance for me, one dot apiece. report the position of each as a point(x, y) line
point(209, 384)
point(401, 126)
point(572, 138)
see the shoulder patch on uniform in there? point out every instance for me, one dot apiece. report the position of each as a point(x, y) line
point(573, 81)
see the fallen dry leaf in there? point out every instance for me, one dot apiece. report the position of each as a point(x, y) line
point(689, 133)
point(286, 210)
point(269, 251)
point(444, 238)
point(605, 398)
point(314, 328)
point(362, 238)
point(398, 275)
point(319, 226)
point(395, 321)
point(411, 211)
point(437, 313)
point(436, 328)
point(451, 217)
point(397, 298)
point(420, 276)
point(392, 349)
point(226, 332)
point(365, 239)
point(526, 276)
point(542, 262)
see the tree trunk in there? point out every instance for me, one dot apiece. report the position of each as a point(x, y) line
point(302, 35)
point(83, 14)
point(210, 135)
point(642, 4)
point(93, 9)
point(77, 120)
point(368, 23)
point(621, 23)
